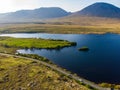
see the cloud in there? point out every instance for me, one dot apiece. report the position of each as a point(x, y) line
point(5, 5)
point(13, 5)
point(69, 5)
point(25, 3)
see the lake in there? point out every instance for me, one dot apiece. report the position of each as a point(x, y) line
point(100, 64)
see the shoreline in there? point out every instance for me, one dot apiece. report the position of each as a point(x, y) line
point(80, 80)
point(80, 33)
point(116, 84)
point(105, 85)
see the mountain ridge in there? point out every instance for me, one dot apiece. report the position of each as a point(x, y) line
point(101, 9)
point(39, 13)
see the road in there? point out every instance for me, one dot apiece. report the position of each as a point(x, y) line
point(63, 72)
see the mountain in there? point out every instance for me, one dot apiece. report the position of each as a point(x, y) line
point(100, 10)
point(41, 13)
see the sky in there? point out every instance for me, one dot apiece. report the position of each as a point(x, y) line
point(68, 5)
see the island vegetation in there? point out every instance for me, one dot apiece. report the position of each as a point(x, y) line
point(84, 48)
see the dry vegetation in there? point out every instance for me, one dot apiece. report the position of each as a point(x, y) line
point(22, 74)
point(108, 85)
point(86, 20)
point(66, 25)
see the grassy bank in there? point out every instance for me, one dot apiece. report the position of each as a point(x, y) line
point(12, 44)
point(22, 74)
point(35, 56)
point(108, 85)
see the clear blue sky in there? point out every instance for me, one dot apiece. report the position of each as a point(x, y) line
point(69, 5)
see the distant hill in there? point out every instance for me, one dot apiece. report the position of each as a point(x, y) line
point(41, 13)
point(101, 10)
point(94, 12)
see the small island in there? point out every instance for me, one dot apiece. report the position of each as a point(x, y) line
point(83, 48)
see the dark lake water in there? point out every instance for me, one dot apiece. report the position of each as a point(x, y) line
point(100, 64)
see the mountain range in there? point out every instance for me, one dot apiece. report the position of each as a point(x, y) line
point(94, 10)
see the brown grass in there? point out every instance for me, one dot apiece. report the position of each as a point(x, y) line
point(22, 74)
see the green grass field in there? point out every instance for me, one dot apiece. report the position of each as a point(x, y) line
point(12, 44)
